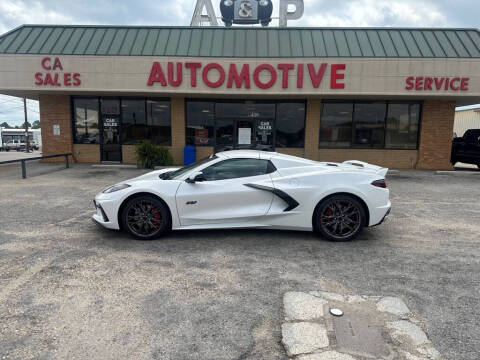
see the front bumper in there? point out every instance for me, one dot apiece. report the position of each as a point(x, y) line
point(104, 214)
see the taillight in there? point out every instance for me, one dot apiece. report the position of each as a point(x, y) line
point(380, 183)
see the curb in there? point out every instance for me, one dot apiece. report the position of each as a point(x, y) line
point(453, 172)
point(114, 166)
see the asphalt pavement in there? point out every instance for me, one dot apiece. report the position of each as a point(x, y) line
point(69, 289)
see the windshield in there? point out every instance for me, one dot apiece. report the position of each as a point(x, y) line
point(173, 175)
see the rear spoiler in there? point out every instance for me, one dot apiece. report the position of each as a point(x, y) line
point(361, 164)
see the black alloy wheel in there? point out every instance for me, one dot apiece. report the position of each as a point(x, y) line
point(145, 217)
point(339, 218)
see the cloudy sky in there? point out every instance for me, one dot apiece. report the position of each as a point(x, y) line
point(435, 13)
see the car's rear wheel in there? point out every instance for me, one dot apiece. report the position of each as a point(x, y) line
point(145, 217)
point(339, 218)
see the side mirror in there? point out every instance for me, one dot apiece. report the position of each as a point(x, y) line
point(197, 176)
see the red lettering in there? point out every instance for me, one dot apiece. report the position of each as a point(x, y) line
point(419, 83)
point(335, 76)
point(447, 80)
point(46, 63)
point(76, 79)
point(464, 84)
point(156, 75)
point(409, 82)
point(285, 68)
point(221, 79)
point(452, 84)
point(317, 77)
point(428, 83)
point(193, 66)
point(239, 79)
point(171, 76)
point(57, 64)
point(439, 82)
point(38, 79)
point(48, 80)
point(300, 76)
point(55, 80)
point(256, 76)
point(67, 79)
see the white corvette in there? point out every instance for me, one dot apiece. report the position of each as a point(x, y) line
point(249, 189)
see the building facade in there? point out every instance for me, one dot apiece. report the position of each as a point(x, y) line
point(466, 119)
point(385, 96)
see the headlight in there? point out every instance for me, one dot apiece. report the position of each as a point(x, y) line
point(116, 188)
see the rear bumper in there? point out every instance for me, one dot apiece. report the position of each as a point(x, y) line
point(381, 213)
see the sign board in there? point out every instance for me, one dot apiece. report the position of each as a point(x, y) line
point(244, 136)
point(245, 12)
point(56, 129)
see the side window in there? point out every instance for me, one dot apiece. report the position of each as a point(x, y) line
point(237, 168)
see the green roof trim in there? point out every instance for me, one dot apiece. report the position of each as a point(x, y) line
point(241, 42)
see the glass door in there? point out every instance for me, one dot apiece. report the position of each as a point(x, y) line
point(111, 147)
point(245, 134)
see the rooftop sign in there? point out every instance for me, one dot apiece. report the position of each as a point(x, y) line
point(244, 12)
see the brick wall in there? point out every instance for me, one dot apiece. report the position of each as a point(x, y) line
point(312, 128)
point(393, 159)
point(55, 110)
point(178, 129)
point(436, 135)
point(86, 153)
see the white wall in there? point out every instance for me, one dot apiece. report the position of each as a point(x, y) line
point(466, 119)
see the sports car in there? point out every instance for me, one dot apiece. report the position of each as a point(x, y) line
point(249, 189)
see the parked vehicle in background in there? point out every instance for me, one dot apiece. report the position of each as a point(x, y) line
point(14, 145)
point(34, 145)
point(466, 149)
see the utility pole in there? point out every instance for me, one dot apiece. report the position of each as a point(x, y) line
point(27, 139)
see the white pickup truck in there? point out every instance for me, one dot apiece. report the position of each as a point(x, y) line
point(14, 145)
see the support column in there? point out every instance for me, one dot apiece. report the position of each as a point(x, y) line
point(178, 129)
point(55, 111)
point(436, 133)
point(312, 128)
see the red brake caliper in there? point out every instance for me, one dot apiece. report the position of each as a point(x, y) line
point(156, 215)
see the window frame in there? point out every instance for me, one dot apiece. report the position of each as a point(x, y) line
point(270, 168)
point(243, 101)
point(100, 114)
point(388, 102)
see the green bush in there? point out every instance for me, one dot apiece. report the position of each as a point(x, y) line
point(149, 155)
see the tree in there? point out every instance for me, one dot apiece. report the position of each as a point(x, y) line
point(5, 125)
point(36, 124)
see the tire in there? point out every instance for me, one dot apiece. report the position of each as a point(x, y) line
point(145, 217)
point(339, 218)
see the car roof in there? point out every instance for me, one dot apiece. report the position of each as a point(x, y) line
point(258, 154)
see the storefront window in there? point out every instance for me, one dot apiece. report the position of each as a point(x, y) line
point(372, 125)
point(402, 126)
point(369, 125)
point(336, 125)
point(290, 125)
point(200, 119)
point(159, 122)
point(134, 121)
point(86, 121)
point(224, 134)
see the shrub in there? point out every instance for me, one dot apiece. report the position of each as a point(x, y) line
point(149, 155)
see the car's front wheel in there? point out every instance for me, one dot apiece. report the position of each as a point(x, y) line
point(145, 217)
point(339, 218)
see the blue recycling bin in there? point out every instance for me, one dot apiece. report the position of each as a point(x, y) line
point(188, 154)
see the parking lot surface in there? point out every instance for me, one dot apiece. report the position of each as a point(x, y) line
point(69, 290)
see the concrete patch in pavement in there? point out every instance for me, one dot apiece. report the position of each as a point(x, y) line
point(371, 327)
